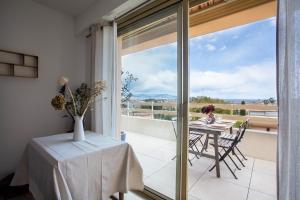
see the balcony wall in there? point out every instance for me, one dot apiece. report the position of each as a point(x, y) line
point(256, 144)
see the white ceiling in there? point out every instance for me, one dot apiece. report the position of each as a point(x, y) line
point(71, 7)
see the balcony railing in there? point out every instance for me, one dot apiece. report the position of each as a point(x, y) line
point(257, 144)
point(262, 117)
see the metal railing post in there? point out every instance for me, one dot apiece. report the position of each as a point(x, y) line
point(128, 108)
point(152, 110)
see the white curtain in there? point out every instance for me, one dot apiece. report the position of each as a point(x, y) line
point(288, 43)
point(106, 110)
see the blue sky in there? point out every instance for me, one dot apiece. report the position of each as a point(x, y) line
point(234, 63)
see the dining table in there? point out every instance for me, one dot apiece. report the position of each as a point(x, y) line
point(213, 131)
point(56, 167)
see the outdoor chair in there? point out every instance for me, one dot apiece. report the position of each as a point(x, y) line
point(227, 147)
point(194, 138)
point(228, 136)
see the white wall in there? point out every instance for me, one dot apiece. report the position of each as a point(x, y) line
point(94, 14)
point(151, 127)
point(25, 110)
point(102, 10)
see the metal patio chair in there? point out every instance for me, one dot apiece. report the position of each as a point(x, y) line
point(228, 136)
point(194, 138)
point(226, 147)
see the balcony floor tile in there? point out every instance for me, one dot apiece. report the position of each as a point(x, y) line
point(256, 181)
point(263, 182)
point(254, 195)
point(212, 188)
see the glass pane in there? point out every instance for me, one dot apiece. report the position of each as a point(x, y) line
point(149, 96)
point(233, 80)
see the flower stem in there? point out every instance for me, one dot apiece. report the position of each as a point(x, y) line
point(87, 105)
point(73, 100)
point(69, 112)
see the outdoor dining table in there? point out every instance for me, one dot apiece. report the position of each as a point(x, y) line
point(212, 131)
point(56, 167)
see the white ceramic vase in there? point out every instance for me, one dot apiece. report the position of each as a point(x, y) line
point(78, 129)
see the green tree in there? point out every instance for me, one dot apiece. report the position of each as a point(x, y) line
point(235, 112)
point(266, 101)
point(243, 102)
point(238, 123)
point(242, 112)
point(272, 100)
point(205, 99)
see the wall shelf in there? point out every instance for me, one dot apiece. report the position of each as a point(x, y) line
point(18, 64)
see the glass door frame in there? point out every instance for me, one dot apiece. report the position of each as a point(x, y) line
point(182, 100)
point(182, 104)
point(181, 8)
point(183, 71)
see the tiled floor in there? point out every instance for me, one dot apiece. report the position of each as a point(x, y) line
point(128, 196)
point(256, 181)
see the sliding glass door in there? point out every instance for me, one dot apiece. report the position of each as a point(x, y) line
point(233, 74)
point(151, 56)
point(154, 60)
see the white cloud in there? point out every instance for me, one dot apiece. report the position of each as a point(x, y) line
point(196, 39)
point(195, 45)
point(223, 48)
point(231, 31)
point(254, 81)
point(210, 47)
point(213, 39)
point(164, 81)
point(155, 70)
point(147, 61)
point(273, 21)
point(173, 45)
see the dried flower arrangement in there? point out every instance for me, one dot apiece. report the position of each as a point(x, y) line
point(76, 103)
point(208, 109)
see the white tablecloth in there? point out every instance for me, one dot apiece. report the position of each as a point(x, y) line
point(55, 167)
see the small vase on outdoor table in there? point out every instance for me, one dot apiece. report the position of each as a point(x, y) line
point(210, 118)
point(208, 110)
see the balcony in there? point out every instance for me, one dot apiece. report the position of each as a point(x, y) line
point(154, 143)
